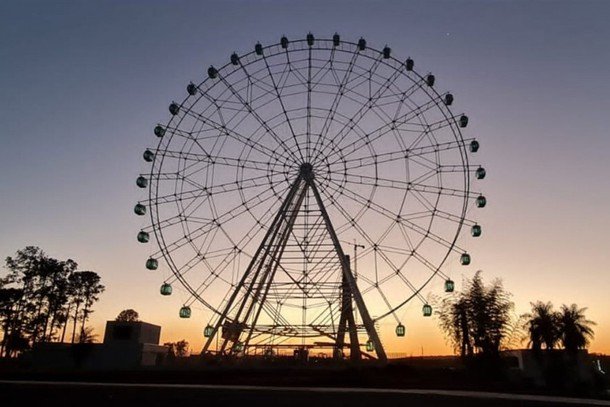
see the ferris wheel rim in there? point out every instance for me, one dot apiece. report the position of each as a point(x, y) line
point(430, 91)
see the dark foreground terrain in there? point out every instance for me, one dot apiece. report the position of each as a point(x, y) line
point(289, 384)
point(107, 394)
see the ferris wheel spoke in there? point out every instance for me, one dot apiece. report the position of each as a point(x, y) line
point(415, 111)
point(323, 70)
point(364, 207)
point(226, 257)
point(397, 218)
point(390, 126)
point(184, 195)
point(406, 153)
point(223, 130)
point(364, 201)
point(210, 224)
point(365, 108)
point(256, 230)
point(406, 281)
point(213, 273)
point(337, 98)
point(412, 150)
point(253, 113)
point(427, 203)
point(454, 218)
point(196, 141)
point(308, 109)
point(207, 194)
point(406, 186)
point(406, 238)
point(228, 187)
point(350, 220)
point(216, 159)
point(397, 271)
point(246, 206)
point(211, 278)
point(385, 300)
point(425, 262)
point(281, 102)
point(446, 122)
point(174, 176)
point(427, 175)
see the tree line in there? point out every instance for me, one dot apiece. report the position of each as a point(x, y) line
point(43, 299)
point(480, 320)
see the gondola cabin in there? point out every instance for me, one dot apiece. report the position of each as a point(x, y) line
point(139, 209)
point(427, 310)
point(465, 259)
point(185, 312)
point(159, 131)
point(166, 289)
point(143, 237)
point(152, 264)
point(449, 285)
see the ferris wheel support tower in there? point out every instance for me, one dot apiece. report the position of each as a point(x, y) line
point(258, 278)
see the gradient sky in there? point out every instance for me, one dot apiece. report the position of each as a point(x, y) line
point(82, 84)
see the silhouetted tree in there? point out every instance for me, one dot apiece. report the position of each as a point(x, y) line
point(182, 348)
point(86, 288)
point(57, 296)
point(568, 327)
point(87, 336)
point(542, 325)
point(9, 300)
point(575, 329)
point(128, 315)
point(23, 272)
point(478, 319)
point(37, 296)
point(453, 317)
point(177, 349)
point(171, 349)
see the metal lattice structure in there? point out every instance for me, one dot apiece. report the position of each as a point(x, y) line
point(282, 161)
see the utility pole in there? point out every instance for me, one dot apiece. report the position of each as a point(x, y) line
point(356, 247)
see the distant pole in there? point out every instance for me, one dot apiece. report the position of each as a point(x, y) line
point(356, 246)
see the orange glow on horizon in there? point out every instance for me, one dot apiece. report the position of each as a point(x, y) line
point(421, 339)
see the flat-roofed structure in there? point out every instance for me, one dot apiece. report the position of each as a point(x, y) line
point(127, 345)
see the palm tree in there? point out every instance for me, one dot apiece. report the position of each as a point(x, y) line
point(542, 326)
point(576, 330)
point(86, 335)
point(477, 320)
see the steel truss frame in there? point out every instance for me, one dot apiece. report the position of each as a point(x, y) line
point(258, 277)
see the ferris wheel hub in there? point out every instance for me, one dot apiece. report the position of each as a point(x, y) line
point(306, 171)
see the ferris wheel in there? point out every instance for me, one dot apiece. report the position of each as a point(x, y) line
point(306, 190)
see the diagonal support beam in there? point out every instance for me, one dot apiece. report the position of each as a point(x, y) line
point(347, 321)
point(269, 236)
point(366, 318)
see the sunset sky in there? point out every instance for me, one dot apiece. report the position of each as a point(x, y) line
point(83, 83)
